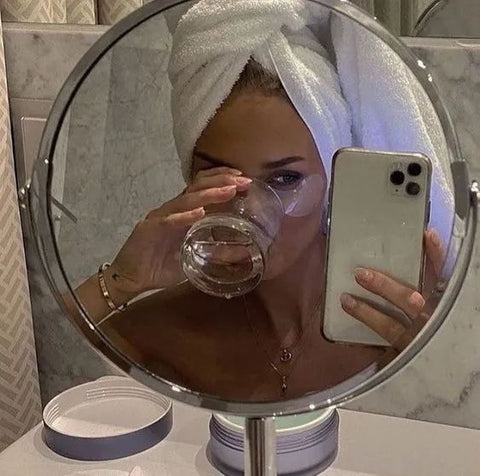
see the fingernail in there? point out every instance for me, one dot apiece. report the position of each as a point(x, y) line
point(236, 172)
point(363, 275)
point(435, 239)
point(416, 300)
point(348, 301)
point(199, 211)
point(243, 180)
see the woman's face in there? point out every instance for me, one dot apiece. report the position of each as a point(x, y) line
point(266, 139)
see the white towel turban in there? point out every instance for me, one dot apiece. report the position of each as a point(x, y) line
point(214, 42)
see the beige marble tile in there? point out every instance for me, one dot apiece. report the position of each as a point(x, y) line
point(40, 57)
point(443, 383)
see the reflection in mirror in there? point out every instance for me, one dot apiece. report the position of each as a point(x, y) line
point(400, 17)
point(426, 18)
point(450, 19)
point(198, 163)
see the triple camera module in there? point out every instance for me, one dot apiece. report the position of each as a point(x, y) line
point(398, 178)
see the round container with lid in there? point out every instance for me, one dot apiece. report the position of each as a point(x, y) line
point(110, 418)
point(306, 444)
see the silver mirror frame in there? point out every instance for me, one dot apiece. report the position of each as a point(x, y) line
point(38, 196)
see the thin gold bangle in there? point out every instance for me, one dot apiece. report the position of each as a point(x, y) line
point(104, 289)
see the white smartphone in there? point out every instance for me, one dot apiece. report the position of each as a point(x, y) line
point(379, 207)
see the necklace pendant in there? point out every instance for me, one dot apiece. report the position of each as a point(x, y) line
point(284, 385)
point(286, 355)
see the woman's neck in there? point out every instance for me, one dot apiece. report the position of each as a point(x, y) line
point(289, 300)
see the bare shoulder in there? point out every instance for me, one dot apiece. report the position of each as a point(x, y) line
point(178, 308)
point(179, 302)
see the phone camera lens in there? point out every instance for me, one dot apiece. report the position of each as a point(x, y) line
point(413, 188)
point(414, 169)
point(397, 177)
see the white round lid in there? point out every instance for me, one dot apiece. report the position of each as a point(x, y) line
point(109, 418)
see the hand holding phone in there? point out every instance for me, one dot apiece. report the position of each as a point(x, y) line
point(378, 215)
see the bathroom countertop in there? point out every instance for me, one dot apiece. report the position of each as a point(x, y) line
point(369, 445)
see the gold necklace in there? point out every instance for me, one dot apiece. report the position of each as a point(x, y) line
point(286, 356)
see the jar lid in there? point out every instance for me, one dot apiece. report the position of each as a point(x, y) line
point(110, 418)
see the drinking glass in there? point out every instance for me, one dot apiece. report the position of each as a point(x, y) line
point(224, 253)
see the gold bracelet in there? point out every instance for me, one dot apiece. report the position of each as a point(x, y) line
point(104, 289)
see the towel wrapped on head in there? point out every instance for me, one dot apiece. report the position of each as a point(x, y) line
point(213, 43)
point(215, 40)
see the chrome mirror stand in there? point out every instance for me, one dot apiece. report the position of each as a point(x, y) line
point(260, 447)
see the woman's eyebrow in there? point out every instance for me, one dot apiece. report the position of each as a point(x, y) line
point(282, 162)
point(267, 165)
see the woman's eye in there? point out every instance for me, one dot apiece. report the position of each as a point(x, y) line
point(285, 180)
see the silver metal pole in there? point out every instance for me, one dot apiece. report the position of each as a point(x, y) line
point(260, 447)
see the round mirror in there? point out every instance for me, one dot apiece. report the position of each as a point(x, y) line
point(182, 209)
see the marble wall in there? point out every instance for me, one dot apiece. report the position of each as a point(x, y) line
point(120, 133)
point(442, 384)
point(34, 77)
point(106, 137)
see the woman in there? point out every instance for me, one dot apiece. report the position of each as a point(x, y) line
point(267, 344)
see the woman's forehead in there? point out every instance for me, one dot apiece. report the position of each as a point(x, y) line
point(256, 130)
